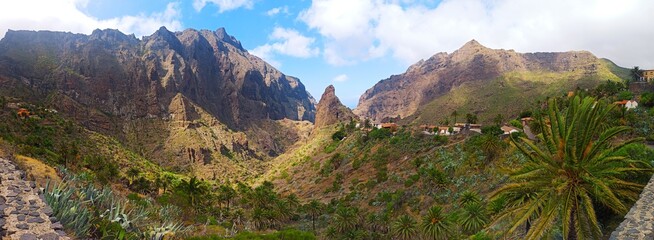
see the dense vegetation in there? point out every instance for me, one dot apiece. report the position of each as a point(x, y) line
point(372, 183)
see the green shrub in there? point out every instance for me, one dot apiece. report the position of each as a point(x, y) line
point(411, 180)
point(287, 234)
point(379, 133)
point(382, 174)
point(440, 140)
point(492, 130)
point(331, 147)
point(625, 95)
point(516, 123)
point(647, 99)
point(339, 135)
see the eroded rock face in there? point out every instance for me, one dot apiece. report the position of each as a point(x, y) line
point(330, 110)
point(126, 77)
point(194, 99)
point(402, 95)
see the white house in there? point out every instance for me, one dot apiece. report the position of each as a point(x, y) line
point(631, 104)
point(508, 130)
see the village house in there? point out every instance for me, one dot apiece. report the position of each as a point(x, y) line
point(473, 127)
point(507, 130)
point(526, 120)
point(428, 129)
point(445, 130)
point(23, 113)
point(390, 126)
point(647, 75)
point(628, 104)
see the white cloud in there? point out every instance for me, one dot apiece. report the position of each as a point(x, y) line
point(410, 30)
point(65, 15)
point(286, 42)
point(277, 10)
point(223, 5)
point(341, 78)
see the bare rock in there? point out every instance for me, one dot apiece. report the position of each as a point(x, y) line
point(330, 110)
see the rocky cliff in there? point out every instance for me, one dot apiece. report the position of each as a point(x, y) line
point(187, 98)
point(475, 67)
point(127, 77)
point(330, 110)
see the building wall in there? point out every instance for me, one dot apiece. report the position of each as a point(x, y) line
point(648, 74)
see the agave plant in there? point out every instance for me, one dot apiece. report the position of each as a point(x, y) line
point(169, 212)
point(166, 229)
point(94, 196)
point(70, 212)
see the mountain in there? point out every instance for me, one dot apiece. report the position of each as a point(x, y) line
point(476, 79)
point(330, 110)
point(194, 100)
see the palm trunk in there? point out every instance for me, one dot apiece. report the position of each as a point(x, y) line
point(313, 222)
point(572, 234)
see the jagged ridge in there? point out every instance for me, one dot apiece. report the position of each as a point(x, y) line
point(182, 99)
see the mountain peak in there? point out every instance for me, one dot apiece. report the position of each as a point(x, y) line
point(330, 90)
point(330, 110)
point(472, 44)
point(222, 35)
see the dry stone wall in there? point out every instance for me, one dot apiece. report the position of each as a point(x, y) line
point(639, 222)
point(23, 212)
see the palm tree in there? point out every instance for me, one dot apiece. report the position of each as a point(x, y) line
point(454, 115)
point(226, 194)
point(491, 145)
point(499, 120)
point(471, 118)
point(346, 219)
point(436, 224)
point(636, 74)
point(473, 217)
point(372, 220)
point(293, 201)
point(193, 188)
point(313, 209)
point(575, 168)
point(405, 228)
point(468, 197)
point(132, 173)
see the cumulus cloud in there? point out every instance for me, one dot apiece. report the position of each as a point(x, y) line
point(410, 30)
point(65, 15)
point(286, 42)
point(341, 78)
point(223, 5)
point(277, 10)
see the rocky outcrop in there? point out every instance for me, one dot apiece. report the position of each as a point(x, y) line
point(330, 110)
point(402, 95)
point(639, 222)
point(23, 214)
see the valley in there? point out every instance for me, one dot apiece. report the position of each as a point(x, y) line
point(187, 135)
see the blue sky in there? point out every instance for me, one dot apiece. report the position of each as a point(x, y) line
point(352, 44)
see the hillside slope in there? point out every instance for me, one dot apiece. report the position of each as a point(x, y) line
point(476, 79)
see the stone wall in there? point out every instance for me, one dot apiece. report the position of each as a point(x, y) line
point(23, 212)
point(639, 222)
